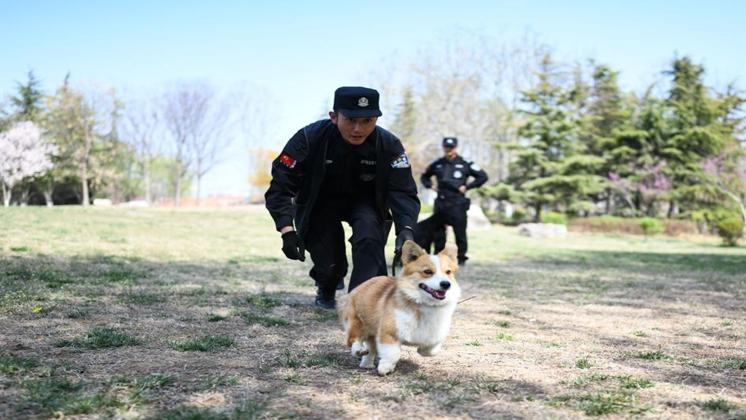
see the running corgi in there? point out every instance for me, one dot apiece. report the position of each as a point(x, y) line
point(414, 308)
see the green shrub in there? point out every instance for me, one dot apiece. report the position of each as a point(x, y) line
point(731, 230)
point(518, 215)
point(553, 217)
point(651, 226)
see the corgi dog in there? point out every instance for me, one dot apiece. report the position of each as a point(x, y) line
point(414, 309)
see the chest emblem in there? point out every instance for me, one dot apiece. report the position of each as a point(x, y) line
point(457, 174)
point(367, 162)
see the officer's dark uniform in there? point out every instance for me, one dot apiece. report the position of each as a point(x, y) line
point(320, 180)
point(450, 205)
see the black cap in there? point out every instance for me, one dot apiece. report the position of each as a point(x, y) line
point(357, 102)
point(450, 142)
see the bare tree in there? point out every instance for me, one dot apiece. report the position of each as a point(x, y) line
point(199, 123)
point(141, 122)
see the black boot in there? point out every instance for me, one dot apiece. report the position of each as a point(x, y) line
point(325, 298)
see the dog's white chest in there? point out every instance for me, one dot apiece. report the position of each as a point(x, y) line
point(431, 327)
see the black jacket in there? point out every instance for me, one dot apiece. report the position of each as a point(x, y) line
point(452, 174)
point(298, 172)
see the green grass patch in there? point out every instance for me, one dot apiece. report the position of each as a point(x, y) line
point(215, 318)
point(60, 395)
point(639, 333)
point(14, 365)
point(584, 380)
point(602, 403)
point(583, 363)
point(502, 324)
point(628, 382)
point(263, 300)
point(302, 358)
point(20, 249)
point(718, 404)
point(206, 343)
point(141, 298)
point(264, 320)
point(77, 313)
point(475, 343)
point(502, 336)
point(650, 355)
point(739, 364)
point(101, 338)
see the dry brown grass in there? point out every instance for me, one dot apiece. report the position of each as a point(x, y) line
point(660, 324)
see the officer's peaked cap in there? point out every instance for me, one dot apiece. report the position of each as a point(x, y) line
point(357, 102)
point(450, 142)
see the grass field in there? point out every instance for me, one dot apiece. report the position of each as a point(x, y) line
point(195, 314)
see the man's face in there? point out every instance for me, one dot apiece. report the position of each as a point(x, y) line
point(449, 152)
point(354, 130)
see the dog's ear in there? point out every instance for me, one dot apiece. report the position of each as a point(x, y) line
point(410, 251)
point(450, 251)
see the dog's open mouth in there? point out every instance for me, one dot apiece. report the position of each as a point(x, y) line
point(437, 294)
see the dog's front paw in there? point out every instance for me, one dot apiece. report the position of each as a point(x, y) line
point(385, 367)
point(429, 351)
point(367, 362)
point(359, 349)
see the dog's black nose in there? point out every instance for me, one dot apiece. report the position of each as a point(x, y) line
point(445, 284)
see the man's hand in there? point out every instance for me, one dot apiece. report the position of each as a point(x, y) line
point(462, 189)
point(403, 236)
point(292, 247)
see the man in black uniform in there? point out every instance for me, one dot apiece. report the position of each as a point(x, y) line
point(452, 172)
point(343, 169)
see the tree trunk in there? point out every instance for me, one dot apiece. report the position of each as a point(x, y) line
point(146, 170)
point(673, 209)
point(199, 188)
point(537, 212)
point(177, 197)
point(48, 191)
point(6, 195)
point(85, 201)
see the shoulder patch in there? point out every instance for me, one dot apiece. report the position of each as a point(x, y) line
point(475, 167)
point(288, 160)
point(401, 162)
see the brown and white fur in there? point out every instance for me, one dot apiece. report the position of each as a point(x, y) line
point(414, 309)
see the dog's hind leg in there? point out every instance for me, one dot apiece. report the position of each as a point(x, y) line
point(429, 351)
point(369, 359)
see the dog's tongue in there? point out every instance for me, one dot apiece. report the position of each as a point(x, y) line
point(440, 294)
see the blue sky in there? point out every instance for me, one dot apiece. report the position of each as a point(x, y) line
point(299, 52)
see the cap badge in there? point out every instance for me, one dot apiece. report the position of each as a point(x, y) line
point(363, 102)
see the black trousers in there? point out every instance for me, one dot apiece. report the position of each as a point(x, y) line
point(326, 242)
point(432, 231)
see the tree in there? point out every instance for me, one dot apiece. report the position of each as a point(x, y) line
point(550, 166)
point(23, 153)
point(141, 123)
point(198, 122)
point(70, 122)
point(695, 134)
point(29, 100)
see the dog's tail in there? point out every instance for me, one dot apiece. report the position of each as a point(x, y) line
point(349, 319)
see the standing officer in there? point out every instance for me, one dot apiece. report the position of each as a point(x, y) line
point(452, 172)
point(344, 168)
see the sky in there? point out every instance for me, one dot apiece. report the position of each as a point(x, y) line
point(296, 53)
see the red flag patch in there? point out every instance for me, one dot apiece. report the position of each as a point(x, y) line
point(287, 160)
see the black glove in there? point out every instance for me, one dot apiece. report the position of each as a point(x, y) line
point(403, 236)
point(292, 247)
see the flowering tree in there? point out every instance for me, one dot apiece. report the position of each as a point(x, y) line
point(23, 153)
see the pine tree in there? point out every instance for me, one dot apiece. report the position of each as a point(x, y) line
point(695, 132)
point(28, 101)
point(551, 166)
